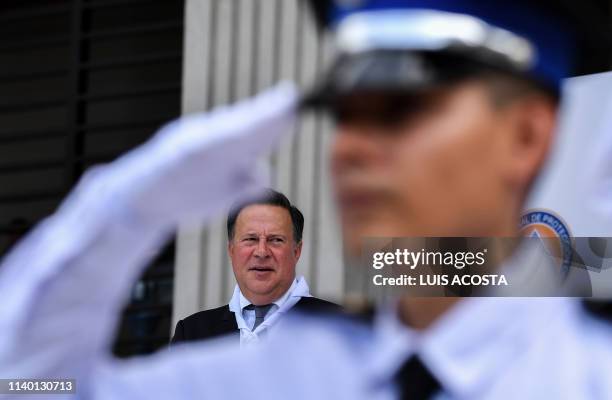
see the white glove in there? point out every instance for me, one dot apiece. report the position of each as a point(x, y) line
point(66, 282)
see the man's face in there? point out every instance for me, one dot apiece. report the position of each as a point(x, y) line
point(264, 253)
point(439, 171)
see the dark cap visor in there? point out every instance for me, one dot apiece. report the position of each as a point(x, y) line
point(373, 71)
point(400, 71)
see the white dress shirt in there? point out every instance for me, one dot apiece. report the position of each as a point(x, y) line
point(63, 289)
point(245, 319)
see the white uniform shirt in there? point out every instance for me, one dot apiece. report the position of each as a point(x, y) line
point(63, 289)
point(245, 319)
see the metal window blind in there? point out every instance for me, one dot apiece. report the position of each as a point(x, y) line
point(82, 81)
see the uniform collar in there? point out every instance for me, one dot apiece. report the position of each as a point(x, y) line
point(474, 341)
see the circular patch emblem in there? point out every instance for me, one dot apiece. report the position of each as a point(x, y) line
point(553, 232)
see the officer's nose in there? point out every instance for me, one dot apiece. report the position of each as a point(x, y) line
point(353, 147)
point(262, 250)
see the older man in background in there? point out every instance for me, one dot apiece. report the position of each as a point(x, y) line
point(264, 244)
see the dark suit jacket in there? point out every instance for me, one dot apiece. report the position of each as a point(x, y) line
point(221, 321)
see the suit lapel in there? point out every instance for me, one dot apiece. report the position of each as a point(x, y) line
point(227, 323)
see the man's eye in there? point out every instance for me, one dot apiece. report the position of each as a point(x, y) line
point(277, 240)
point(249, 239)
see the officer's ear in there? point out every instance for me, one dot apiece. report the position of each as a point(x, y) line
point(531, 121)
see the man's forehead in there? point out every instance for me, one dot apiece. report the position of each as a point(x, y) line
point(389, 108)
point(257, 216)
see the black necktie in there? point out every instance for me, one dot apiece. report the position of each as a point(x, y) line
point(260, 313)
point(415, 381)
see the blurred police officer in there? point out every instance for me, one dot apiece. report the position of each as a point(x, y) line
point(445, 114)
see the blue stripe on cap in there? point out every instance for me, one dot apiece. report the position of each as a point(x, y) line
point(554, 43)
